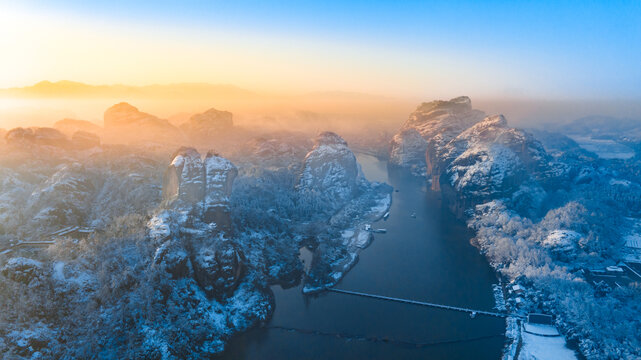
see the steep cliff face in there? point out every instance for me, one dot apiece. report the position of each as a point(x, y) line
point(202, 186)
point(437, 122)
point(199, 244)
point(184, 180)
point(408, 148)
point(330, 171)
point(487, 161)
point(219, 177)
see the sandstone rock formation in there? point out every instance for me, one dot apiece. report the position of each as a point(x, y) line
point(437, 122)
point(184, 180)
point(330, 170)
point(487, 161)
point(207, 125)
point(201, 245)
point(408, 148)
point(202, 185)
point(218, 267)
point(219, 177)
point(125, 123)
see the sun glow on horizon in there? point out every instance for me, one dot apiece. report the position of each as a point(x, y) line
point(412, 50)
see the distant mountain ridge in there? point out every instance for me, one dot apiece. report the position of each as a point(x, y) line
point(66, 88)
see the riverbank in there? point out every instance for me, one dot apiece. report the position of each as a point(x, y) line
point(425, 258)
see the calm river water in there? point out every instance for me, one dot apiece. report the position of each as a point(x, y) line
point(426, 258)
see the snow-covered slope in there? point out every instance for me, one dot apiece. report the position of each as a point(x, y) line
point(488, 160)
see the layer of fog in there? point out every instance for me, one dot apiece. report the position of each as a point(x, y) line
point(311, 113)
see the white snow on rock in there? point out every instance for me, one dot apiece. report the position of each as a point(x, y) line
point(330, 170)
point(437, 123)
point(562, 240)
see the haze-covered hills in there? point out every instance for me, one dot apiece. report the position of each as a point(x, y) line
point(74, 89)
point(150, 238)
point(167, 253)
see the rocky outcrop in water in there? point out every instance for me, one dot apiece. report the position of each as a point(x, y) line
point(437, 122)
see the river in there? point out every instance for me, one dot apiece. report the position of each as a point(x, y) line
point(427, 258)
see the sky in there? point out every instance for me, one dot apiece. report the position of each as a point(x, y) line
point(522, 49)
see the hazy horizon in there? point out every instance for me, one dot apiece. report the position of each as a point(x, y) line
point(44, 103)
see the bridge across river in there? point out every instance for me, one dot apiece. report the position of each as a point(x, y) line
point(422, 303)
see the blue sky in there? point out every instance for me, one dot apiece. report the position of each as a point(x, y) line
point(521, 48)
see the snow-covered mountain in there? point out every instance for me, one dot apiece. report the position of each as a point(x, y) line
point(330, 171)
point(437, 122)
point(489, 160)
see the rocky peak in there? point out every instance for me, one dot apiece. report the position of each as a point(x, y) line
point(209, 124)
point(437, 122)
point(489, 160)
point(437, 115)
point(455, 105)
point(219, 177)
point(125, 114)
point(203, 185)
point(124, 122)
point(330, 170)
point(199, 187)
point(184, 180)
point(213, 118)
point(328, 138)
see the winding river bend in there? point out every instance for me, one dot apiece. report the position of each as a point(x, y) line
point(427, 258)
